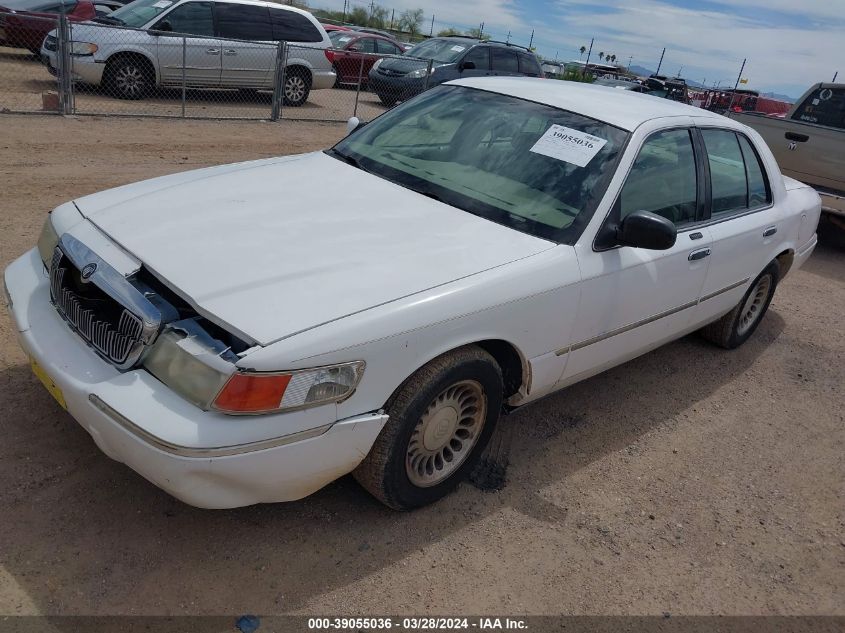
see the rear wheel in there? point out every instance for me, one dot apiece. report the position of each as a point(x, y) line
point(440, 421)
point(297, 86)
point(737, 326)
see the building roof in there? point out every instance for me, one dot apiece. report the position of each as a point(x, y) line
point(621, 108)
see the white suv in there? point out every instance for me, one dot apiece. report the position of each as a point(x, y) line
point(230, 44)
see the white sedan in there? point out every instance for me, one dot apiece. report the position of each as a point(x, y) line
point(242, 334)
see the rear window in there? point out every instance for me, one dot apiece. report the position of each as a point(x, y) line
point(243, 21)
point(504, 60)
point(528, 65)
point(825, 106)
point(290, 26)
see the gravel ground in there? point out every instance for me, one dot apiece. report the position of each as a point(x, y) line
point(689, 481)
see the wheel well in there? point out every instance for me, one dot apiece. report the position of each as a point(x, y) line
point(514, 374)
point(302, 71)
point(785, 260)
point(140, 57)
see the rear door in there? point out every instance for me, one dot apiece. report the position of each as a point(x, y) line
point(742, 220)
point(528, 65)
point(250, 61)
point(201, 54)
point(357, 59)
point(479, 57)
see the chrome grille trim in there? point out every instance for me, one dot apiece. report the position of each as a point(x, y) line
point(122, 339)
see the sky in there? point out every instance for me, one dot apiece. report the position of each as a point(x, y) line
point(789, 44)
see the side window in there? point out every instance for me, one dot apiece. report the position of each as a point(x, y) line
point(192, 18)
point(825, 106)
point(727, 172)
point(366, 45)
point(479, 56)
point(663, 178)
point(290, 26)
point(387, 48)
point(243, 22)
point(759, 192)
point(528, 65)
point(504, 60)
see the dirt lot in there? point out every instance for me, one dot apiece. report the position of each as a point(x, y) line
point(23, 79)
point(691, 480)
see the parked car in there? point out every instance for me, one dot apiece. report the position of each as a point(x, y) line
point(335, 27)
point(129, 62)
point(25, 23)
point(354, 53)
point(452, 58)
point(237, 336)
point(809, 143)
point(633, 86)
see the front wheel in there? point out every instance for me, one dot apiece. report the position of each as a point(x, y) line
point(128, 78)
point(297, 87)
point(440, 421)
point(737, 326)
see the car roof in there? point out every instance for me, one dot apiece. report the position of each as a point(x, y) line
point(467, 39)
point(621, 108)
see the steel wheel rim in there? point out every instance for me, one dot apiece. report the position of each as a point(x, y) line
point(752, 309)
point(130, 80)
point(446, 433)
point(294, 88)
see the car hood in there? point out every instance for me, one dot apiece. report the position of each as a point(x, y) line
point(274, 247)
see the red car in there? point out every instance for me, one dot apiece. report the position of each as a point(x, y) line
point(354, 53)
point(335, 27)
point(25, 23)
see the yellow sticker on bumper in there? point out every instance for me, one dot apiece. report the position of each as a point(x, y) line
point(48, 383)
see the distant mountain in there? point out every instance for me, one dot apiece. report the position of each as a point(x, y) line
point(639, 71)
point(778, 96)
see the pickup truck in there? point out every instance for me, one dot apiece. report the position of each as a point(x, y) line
point(809, 143)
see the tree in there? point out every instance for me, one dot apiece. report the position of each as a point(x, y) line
point(583, 50)
point(378, 17)
point(477, 33)
point(448, 32)
point(601, 55)
point(411, 20)
point(358, 16)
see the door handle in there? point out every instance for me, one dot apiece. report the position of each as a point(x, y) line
point(770, 231)
point(699, 254)
point(798, 138)
point(212, 51)
point(230, 52)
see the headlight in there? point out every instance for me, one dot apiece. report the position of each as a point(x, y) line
point(377, 63)
point(81, 49)
point(189, 361)
point(420, 72)
point(251, 392)
point(47, 241)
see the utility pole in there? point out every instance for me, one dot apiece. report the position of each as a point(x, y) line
point(345, 2)
point(630, 59)
point(508, 40)
point(392, 13)
point(835, 75)
point(481, 30)
point(584, 70)
point(531, 41)
point(736, 85)
point(431, 32)
point(660, 63)
point(679, 71)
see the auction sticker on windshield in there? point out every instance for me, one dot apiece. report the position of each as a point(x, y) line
point(566, 144)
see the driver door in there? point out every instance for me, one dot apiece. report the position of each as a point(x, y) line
point(202, 51)
point(634, 299)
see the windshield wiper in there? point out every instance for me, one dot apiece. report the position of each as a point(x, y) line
point(107, 19)
point(346, 158)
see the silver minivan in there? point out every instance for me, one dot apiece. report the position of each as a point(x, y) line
point(229, 44)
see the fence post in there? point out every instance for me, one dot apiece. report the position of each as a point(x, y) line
point(279, 84)
point(184, 81)
point(428, 73)
point(63, 68)
point(358, 87)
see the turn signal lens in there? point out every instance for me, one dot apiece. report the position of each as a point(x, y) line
point(252, 393)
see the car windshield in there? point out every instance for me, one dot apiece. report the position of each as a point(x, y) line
point(137, 13)
point(44, 6)
point(529, 166)
point(340, 38)
point(443, 51)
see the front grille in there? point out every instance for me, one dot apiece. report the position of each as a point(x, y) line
point(387, 72)
point(115, 332)
point(50, 43)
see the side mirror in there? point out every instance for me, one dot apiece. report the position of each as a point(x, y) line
point(162, 27)
point(468, 66)
point(353, 124)
point(643, 229)
point(354, 49)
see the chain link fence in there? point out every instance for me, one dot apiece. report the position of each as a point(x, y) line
point(60, 66)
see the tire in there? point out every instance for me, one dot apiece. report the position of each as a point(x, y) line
point(387, 100)
point(297, 87)
point(737, 326)
point(448, 408)
point(128, 78)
